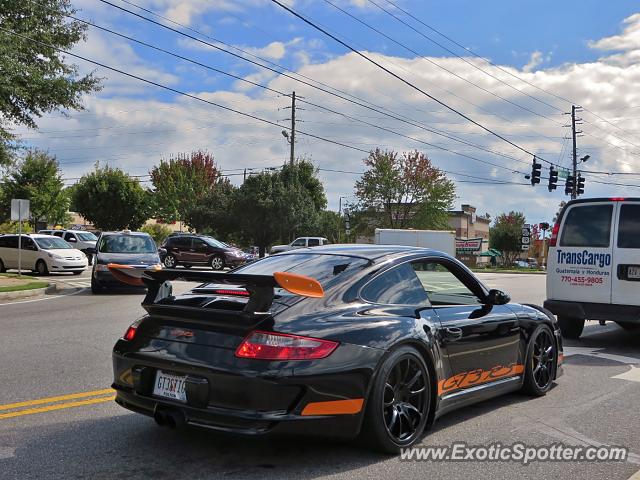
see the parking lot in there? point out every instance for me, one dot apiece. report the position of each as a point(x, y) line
point(59, 346)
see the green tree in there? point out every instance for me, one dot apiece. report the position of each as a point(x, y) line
point(404, 191)
point(330, 226)
point(37, 178)
point(111, 200)
point(213, 214)
point(275, 206)
point(182, 185)
point(505, 235)
point(157, 231)
point(34, 76)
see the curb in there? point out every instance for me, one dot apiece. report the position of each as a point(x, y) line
point(32, 293)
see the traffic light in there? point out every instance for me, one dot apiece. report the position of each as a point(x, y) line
point(536, 170)
point(553, 179)
point(568, 185)
point(580, 188)
point(543, 226)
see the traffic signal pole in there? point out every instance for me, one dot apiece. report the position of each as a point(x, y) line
point(574, 191)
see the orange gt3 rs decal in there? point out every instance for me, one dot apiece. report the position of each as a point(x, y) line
point(477, 377)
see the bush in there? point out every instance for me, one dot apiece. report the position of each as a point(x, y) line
point(158, 232)
point(12, 227)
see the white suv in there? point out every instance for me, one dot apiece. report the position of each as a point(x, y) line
point(594, 264)
point(42, 254)
point(301, 242)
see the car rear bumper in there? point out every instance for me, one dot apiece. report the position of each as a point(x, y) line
point(251, 402)
point(594, 311)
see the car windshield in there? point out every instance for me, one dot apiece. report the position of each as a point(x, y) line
point(52, 243)
point(86, 236)
point(327, 269)
point(214, 243)
point(126, 244)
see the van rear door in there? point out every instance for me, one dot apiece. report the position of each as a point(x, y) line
point(626, 255)
point(581, 266)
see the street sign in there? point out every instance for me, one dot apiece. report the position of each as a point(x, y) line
point(563, 173)
point(19, 209)
point(526, 237)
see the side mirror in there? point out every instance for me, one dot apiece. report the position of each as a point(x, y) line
point(91, 250)
point(72, 239)
point(497, 297)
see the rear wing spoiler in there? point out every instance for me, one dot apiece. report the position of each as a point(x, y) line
point(260, 287)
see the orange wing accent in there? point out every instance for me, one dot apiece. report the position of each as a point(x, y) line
point(116, 271)
point(299, 284)
point(334, 407)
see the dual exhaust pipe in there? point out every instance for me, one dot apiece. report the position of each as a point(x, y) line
point(171, 418)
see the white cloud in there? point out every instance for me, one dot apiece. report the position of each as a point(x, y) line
point(629, 39)
point(133, 133)
point(534, 61)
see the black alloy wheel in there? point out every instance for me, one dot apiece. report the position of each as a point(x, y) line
point(541, 361)
point(399, 403)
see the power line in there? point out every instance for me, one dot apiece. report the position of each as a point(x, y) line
point(378, 31)
point(403, 80)
point(179, 92)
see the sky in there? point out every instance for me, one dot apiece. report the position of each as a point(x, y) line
point(513, 67)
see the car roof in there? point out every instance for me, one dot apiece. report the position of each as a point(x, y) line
point(140, 234)
point(369, 252)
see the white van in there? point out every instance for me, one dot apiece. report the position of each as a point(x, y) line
point(81, 239)
point(594, 264)
point(41, 253)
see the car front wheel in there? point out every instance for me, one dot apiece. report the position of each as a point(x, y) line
point(541, 362)
point(170, 261)
point(570, 327)
point(399, 402)
point(217, 263)
point(41, 268)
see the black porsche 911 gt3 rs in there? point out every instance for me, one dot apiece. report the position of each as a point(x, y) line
point(336, 340)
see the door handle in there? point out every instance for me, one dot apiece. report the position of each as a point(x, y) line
point(452, 333)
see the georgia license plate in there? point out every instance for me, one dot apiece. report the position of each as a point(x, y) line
point(633, 272)
point(170, 386)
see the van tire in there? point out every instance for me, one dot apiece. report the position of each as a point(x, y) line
point(571, 327)
point(2, 267)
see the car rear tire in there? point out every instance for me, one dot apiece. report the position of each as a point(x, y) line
point(571, 327)
point(170, 261)
point(2, 267)
point(41, 268)
point(96, 288)
point(217, 262)
point(629, 326)
point(541, 362)
point(398, 405)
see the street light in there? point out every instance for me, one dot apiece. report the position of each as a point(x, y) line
point(585, 158)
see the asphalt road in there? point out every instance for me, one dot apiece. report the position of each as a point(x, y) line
point(61, 345)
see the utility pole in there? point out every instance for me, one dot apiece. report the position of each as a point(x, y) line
point(292, 140)
point(574, 132)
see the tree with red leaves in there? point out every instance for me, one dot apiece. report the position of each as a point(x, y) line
point(405, 190)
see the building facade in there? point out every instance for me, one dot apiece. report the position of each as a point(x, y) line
point(472, 233)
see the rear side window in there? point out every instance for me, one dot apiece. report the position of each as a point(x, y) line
point(629, 228)
point(398, 286)
point(5, 242)
point(314, 242)
point(181, 242)
point(58, 234)
point(587, 226)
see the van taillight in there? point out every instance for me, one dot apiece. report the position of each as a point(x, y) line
point(554, 235)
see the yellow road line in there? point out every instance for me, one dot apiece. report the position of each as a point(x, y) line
point(71, 396)
point(60, 406)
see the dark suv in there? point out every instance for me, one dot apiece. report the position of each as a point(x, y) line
point(188, 250)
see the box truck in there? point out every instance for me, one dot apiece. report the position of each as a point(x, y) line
point(442, 240)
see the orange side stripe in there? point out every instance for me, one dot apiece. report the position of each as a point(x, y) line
point(334, 407)
point(478, 377)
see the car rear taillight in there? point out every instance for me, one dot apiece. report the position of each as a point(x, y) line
point(131, 332)
point(282, 346)
point(617, 199)
point(554, 235)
